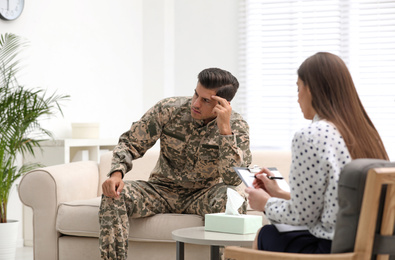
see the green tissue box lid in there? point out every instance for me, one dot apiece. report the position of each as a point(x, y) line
point(236, 224)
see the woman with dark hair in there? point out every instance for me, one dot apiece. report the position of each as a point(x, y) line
point(340, 131)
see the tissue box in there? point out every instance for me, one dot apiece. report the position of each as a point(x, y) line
point(237, 224)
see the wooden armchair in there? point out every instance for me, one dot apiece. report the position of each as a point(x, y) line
point(356, 235)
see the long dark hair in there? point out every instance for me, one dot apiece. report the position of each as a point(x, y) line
point(335, 99)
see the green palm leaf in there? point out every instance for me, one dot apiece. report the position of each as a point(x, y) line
point(21, 110)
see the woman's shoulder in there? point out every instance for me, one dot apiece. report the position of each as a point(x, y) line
point(318, 130)
point(317, 127)
point(322, 126)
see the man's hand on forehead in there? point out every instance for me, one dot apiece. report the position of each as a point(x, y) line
point(223, 111)
point(220, 100)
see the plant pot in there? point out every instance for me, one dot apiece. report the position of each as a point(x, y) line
point(8, 239)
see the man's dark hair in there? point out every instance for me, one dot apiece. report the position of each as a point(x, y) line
point(222, 80)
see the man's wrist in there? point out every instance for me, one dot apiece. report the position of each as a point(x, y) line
point(225, 131)
point(116, 174)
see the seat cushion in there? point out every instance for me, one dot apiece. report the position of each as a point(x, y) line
point(80, 218)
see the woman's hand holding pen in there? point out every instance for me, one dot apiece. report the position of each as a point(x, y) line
point(269, 186)
point(262, 191)
point(263, 181)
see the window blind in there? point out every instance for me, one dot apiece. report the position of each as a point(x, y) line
point(277, 36)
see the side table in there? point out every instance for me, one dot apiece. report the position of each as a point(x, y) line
point(197, 235)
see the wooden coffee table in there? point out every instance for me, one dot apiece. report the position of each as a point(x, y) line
point(197, 235)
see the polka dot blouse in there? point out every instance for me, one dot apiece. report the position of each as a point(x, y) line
point(319, 153)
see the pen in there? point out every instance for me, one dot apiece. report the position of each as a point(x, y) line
point(273, 177)
point(256, 169)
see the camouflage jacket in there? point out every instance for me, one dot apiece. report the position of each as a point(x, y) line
point(192, 155)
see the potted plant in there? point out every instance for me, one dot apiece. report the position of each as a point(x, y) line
point(21, 110)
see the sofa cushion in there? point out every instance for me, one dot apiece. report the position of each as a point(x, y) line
point(80, 218)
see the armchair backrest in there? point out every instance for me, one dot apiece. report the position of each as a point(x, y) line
point(363, 195)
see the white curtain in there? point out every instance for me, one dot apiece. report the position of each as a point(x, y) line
point(276, 36)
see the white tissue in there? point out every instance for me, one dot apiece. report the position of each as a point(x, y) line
point(235, 200)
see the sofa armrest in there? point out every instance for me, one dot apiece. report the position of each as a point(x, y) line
point(44, 189)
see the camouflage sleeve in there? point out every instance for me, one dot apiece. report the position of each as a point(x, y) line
point(234, 151)
point(133, 144)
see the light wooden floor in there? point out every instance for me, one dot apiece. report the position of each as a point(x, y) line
point(24, 253)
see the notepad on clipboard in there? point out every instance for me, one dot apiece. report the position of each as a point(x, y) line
point(248, 177)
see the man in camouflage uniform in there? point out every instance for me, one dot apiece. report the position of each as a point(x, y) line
point(201, 139)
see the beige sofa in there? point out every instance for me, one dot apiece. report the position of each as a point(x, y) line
point(65, 202)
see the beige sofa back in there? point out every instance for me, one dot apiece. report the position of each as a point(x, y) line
point(142, 167)
point(281, 159)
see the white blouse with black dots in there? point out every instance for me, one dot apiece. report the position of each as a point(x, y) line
point(319, 153)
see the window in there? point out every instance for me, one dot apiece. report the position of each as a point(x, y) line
point(276, 36)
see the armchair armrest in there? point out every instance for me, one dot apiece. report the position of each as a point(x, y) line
point(44, 189)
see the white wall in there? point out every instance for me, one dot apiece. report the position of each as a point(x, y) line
point(206, 36)
point(183, 37)
point(86, 50)
point(116, 59)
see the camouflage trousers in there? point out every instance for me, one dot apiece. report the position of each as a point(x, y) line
point(143, 199)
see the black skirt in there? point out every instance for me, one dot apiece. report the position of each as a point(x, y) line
point(270, 239)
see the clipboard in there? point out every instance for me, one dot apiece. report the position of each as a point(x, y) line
point(245, 175)
point(248, 177)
